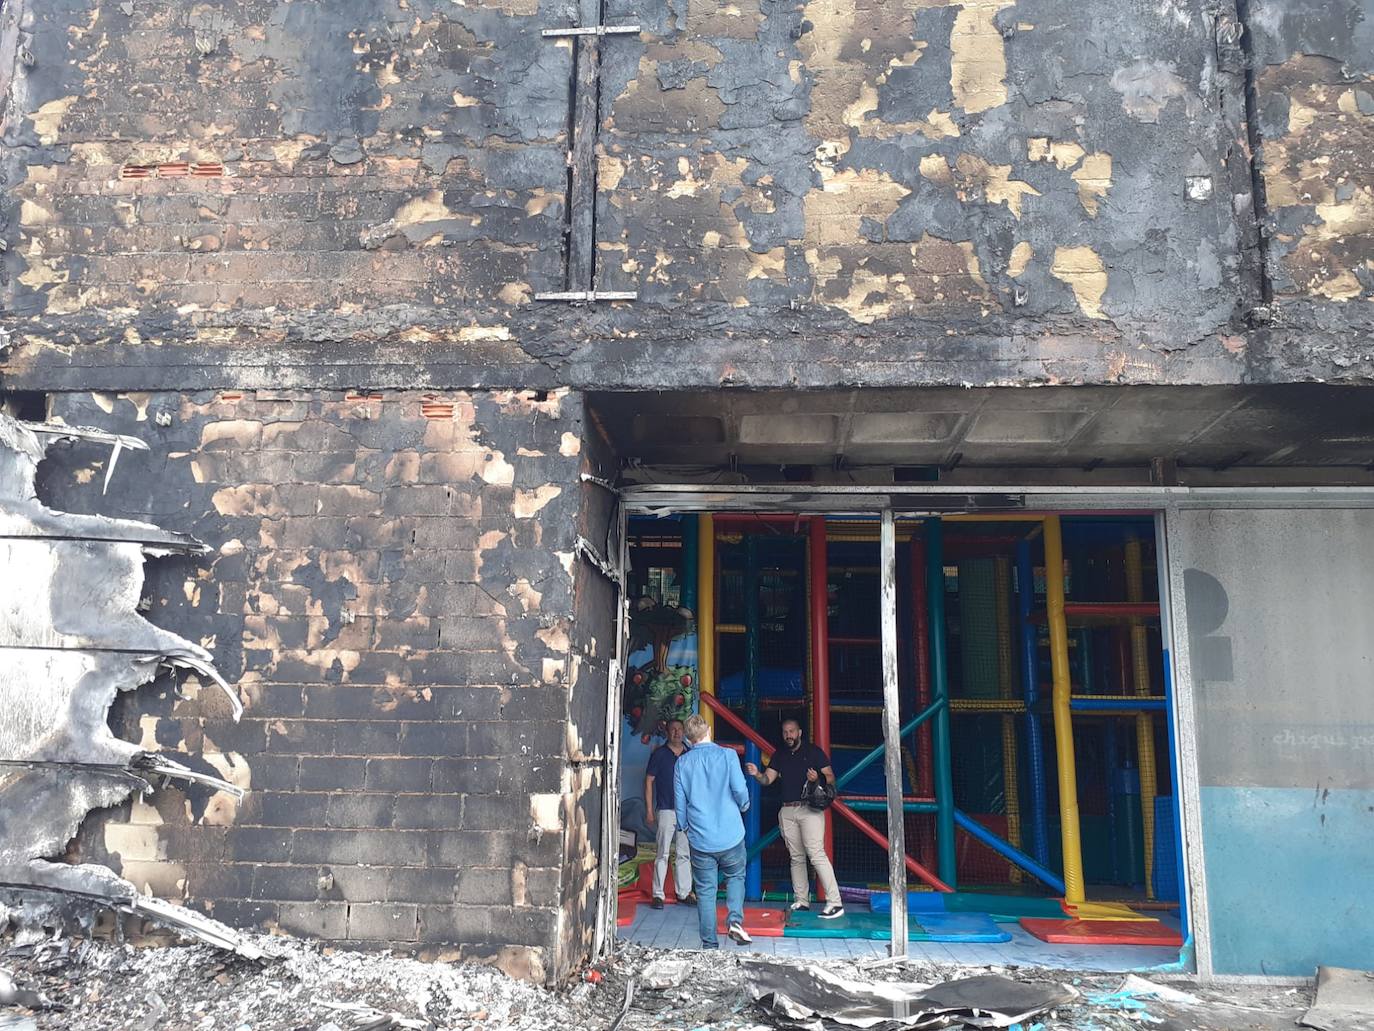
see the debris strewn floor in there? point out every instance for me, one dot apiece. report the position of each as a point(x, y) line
point(103, 986)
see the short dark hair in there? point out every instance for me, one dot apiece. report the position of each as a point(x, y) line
point(792, 719)
point(674, 720)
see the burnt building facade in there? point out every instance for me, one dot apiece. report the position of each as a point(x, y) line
point(388, 288)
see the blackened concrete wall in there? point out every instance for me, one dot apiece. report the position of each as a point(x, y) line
point(988, 192)
point(391, 586)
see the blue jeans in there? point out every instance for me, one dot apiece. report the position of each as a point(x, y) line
point(706, 867)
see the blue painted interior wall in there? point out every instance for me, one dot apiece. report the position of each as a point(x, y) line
point(1289, 879)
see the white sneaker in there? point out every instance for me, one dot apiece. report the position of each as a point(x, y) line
point(740, 935)
point(797, 907)
point(832, 912)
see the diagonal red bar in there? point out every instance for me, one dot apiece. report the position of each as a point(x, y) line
point(864, 827)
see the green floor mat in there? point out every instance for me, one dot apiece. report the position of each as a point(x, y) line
point(1007, 909)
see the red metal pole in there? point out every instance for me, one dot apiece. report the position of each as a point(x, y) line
point(820, 652)
point(858, 821)
point(925, 769)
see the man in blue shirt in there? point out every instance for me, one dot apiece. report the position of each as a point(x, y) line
point(709, 791)
point(658, 794)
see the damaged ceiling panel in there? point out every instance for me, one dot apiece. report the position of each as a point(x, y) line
point(70, 641)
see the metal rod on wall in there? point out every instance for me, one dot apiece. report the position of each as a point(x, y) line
point(896, 817)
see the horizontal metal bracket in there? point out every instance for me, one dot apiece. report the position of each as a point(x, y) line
point(594, 30)
point(588, 295)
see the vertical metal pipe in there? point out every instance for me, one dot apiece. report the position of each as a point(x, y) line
point(925, 769)
point(939, 682)
point(892, 757)
point(753, 877)
point(820, 652)
point(1030, 688)
point(1112, 760)
point(1069, 831)
point(1011, 765)
point(706, 610)
point(689, 563)
point(1144, 721)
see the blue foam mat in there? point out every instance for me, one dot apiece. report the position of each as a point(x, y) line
point(928, 927)
point(916, 902)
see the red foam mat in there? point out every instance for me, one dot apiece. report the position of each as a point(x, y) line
point(645, 883)
point(1102, 932)
point(625, 907)
point(760, 923)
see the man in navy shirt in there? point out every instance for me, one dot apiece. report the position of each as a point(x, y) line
point(796, 764)
point(658, 799)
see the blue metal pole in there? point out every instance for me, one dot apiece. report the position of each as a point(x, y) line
point(1035, 750)
point(1111, 758)
point(1115, 705)
point(881, 807)
point(1177, 809)
point(939, 684)
point(753, 874)
point(688, 580)
point(1007, 851)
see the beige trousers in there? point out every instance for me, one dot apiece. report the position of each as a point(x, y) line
point(667, 837)
point(803, 828)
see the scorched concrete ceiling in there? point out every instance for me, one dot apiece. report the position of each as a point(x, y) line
point(1215, 427)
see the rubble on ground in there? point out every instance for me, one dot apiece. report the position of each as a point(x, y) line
point(305, 986)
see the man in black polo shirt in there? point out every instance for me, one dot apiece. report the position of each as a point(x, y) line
point(803, 828)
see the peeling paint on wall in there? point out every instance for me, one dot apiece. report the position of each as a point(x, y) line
point(1315, 96)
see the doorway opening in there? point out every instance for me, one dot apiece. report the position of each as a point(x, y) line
point(1040, 810)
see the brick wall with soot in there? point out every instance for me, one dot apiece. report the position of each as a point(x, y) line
point(389, 585)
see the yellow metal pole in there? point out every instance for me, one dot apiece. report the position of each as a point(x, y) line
point(1063, 720)
point(706, 610)
point(1011, 786)
point(1144, 721)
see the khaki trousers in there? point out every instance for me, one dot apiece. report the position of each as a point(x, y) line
point(803, 828)
point(667, 837)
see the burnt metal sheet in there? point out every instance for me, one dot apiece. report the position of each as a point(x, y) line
point(70, 640)
point(801, 992)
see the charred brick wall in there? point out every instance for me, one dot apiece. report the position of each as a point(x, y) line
point(391, 585)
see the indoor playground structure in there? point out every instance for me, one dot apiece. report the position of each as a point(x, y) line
point(1036, 745)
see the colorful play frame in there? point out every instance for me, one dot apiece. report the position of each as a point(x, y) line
point(1087, 922)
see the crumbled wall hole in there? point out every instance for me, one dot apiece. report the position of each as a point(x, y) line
point(70, 642)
